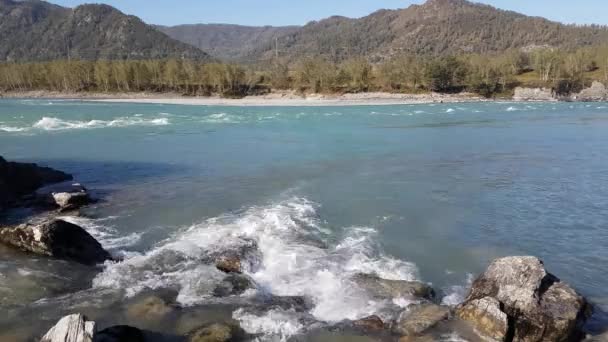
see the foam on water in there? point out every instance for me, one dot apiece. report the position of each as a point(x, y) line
point(277, 324)
point(456, 294)
point(296, 259)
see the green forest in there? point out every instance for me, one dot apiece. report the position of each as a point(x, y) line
point(487, 75)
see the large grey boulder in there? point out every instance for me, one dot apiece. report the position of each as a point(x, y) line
point(389, 289)
point(56, 238)
point(72, 328)
point(537, 305)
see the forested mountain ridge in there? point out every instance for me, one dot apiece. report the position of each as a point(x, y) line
point(34, 30)
point(437, 27)
point(225, 41)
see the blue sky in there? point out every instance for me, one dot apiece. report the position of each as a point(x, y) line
point(297, 12)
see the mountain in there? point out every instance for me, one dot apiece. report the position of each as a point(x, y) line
point(224, 41)
point(437, 27)
point(34, 30)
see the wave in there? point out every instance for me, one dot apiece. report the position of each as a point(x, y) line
point(296, 258)
point(105, 233)
point(56, 124)
point(512, 109)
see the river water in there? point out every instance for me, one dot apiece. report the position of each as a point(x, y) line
point(413, 192)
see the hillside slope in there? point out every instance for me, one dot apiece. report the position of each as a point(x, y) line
point(35, 30)
point(438, 27)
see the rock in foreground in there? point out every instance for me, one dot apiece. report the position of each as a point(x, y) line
point(72, 328)
point(533, 303)
point(389, 289)
point(56, 238)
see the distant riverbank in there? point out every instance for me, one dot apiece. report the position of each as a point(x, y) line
point(272, 99)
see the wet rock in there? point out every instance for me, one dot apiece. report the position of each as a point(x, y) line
point(120, 333)
point(72, 328)
point(65, 196)
point(233, 285)
point(19, 179)
point(419, 318)
point(389, 289)
point(217, 332)
point(425, 338)
point(296, 303)
point(486, 318)
point(229, 264)
point(152, 307)
point(538, 306)
point(56, 238)
point(371, 323)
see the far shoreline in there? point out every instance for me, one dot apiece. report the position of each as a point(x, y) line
point(274, 99)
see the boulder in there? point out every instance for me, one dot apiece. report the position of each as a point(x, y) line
point(72, 328)
point(371, 323)
point(229, 264)
point(419, 318)
point(598, 338)
point(66, 196)
point(388, 289)
point(233, 285)
point(537, 305)
point(56, 238)
point(120, 333)
point(486, 318)
point(19, 179)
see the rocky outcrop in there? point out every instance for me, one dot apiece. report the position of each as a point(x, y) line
point(65, 196)
point(533, 94)
point(19, 179)
point(72, 328)
point(537, 305)
point(419, 318)
point(597, 92)
point(389, 289)
point(56, 238)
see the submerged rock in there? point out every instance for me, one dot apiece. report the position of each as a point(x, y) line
point(538, 307)
point(389, 289)
point(233, 285)
point(65, 196)
point(56, 238)
point(419, 318)
point(72, 328)
point(119, 333)
point(371, 323)
point(151, 308)
point(217, 332)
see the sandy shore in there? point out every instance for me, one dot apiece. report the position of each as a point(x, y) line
point(273, 99)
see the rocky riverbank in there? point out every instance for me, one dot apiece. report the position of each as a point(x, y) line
point(515, 299)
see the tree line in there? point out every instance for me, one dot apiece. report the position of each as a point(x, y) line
point(487, 75)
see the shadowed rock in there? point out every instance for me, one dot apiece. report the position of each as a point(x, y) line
point(65, 196)
point(371, 323)
point(120, 333)
point(537, 305)
point(56, 238)
point(233, 285)
point(19, 179)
